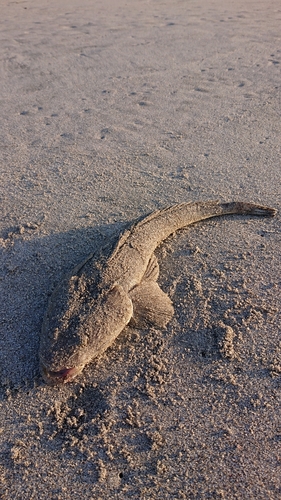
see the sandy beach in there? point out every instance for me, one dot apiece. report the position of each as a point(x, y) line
point(111, 110)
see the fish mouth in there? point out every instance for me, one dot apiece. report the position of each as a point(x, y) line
point(61, 376)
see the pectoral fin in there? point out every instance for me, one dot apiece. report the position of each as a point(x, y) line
point(151, 306)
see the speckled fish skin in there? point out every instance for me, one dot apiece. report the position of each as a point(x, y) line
point(99, 297)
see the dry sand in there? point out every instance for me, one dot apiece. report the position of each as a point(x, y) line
point(109, 110)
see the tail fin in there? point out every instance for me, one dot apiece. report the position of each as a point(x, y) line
point(248, 208)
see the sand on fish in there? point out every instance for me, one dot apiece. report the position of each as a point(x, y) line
point(110, 110)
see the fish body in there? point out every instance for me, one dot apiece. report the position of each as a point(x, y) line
point(99, 297)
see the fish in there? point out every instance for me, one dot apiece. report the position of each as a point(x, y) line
point(96, 300)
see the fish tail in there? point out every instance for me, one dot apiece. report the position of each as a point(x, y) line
point(243, 208)
point(157, 226)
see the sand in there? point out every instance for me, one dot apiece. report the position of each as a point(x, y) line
point(109, 110)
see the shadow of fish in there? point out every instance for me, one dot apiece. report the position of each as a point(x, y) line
point(99, 297)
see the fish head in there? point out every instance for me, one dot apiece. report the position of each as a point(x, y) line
point(71, 337)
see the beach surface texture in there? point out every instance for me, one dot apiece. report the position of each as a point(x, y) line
point(111, 110)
